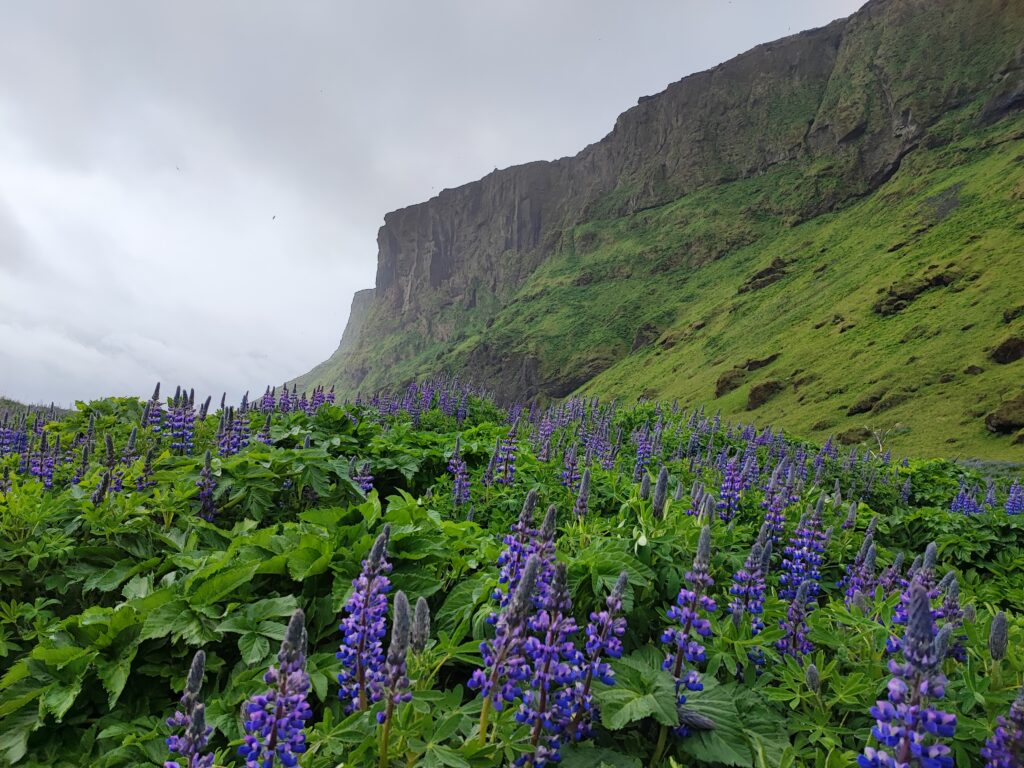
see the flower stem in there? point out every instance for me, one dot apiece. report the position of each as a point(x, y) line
point(659, 748)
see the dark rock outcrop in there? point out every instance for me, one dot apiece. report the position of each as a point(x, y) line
point(1008, 417)
point(1009, 350)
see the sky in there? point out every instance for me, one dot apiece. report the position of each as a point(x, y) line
point(190, 191)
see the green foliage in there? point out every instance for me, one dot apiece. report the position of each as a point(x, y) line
point(104, 604)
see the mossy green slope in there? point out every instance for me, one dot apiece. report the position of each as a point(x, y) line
point(652, 302)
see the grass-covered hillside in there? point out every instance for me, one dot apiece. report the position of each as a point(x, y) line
point(901, 313)
point(591, 584)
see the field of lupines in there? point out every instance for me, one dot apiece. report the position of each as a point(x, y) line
point(432, 580)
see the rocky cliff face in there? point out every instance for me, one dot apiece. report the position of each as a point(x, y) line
point(842, 105)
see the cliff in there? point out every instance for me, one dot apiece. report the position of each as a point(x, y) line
point(825, 118)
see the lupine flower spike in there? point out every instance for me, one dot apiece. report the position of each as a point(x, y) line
point(363, 628)
point(505, 668)
point(275, 720)
point(1005, 747)
point(396, 678)
point(603, 641)
point(191, 720)
point(908, 728)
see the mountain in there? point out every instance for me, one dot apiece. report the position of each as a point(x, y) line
point(823, 233)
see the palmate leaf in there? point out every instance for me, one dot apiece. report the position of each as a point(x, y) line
point(642, 689)
point(746, 732)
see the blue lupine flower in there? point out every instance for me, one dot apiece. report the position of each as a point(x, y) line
point(505, 667)
point(396, 678)
point(363, 628)
point(582, 504)
point(802, 558)
point(460, 476)
point(690, 612)
point(190, 718)
point(794, 641)
point(547, 705)
point(207, 485)
point(908, 728)
point(275, 720)
point(1015, 499)
point(603, 641)
point(729, 494)
point(1005, 747)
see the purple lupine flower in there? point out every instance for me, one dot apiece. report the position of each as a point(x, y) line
point(794, 641)
point(908, 728)
point(504, 665)
point(489, 473)
point(660, 496)
point(966, 501)
point(860, 575)
point(892, 577)
point(396, 678)
point(362, 652)
point(603, 641)
point(547, 705)
point(571, 469)
point(362, 475)
point(5, 481)
point(749, 586)
point(689, 613)
point(644, 450)
point(990, 494)
point(582, 504)
point(729, 494)
point(190, 718)
point(802, 558)
point(1005, 747)
point(263, 435)
point(460, 475)
point(1015, 499)
point(207, 485)
point(145, 479)
point(153, 414)
point(505, 466)
point(519, 544)
point(275, 721)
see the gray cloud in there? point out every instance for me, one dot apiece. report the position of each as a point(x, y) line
point(190, 191)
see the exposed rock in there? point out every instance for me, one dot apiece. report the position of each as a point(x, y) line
point(763, 392)
point(853, 436)
point(644, 335)
point(891, 400)
point(1008, 417)
point(1009, 350)
point(765, 277)
point(947, 377)
point(973, 370)
point(1012, 314)
point(865, 404)
point(899, 295)
point(729, 381)
point(756, 365)
point(822, 425)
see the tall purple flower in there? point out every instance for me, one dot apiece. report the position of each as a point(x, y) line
point(729, 494)
point(396, 678)
point(207, 485)
point(275, 721)
point(505, 466)
point(547, 705)
point(460, 475)
point(505, 667)
point(802, 558)
point(191, 720)
point(794, 641)
point(908, 728)
point(363, 628)
point(691, 624)
point(582, 504)
point(1005, 747)
point(1015, 499)
point(749, 586)
point(603, 641)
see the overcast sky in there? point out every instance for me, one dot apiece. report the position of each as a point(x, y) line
point(190, 191)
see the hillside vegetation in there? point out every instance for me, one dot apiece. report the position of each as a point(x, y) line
point(697, 593)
